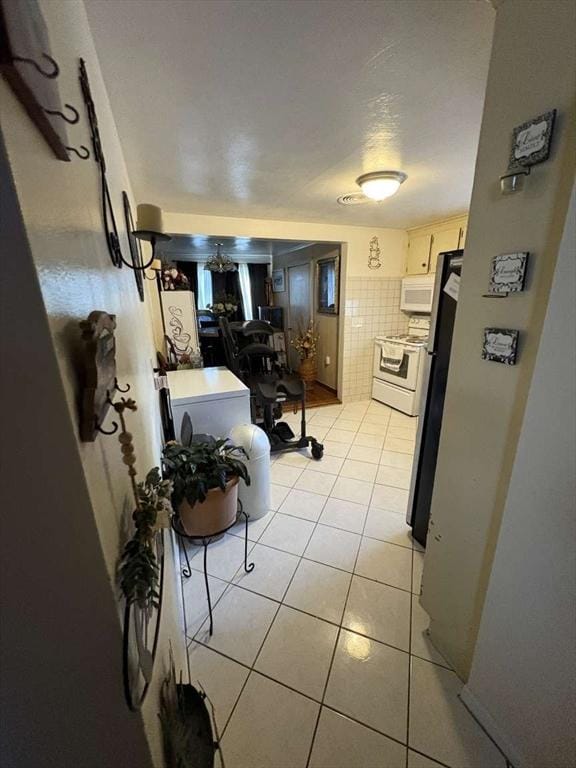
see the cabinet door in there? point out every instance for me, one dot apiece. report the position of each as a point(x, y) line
point(443, 241)
point(463, 231)
point(418, 255)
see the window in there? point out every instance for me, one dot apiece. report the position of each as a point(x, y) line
point(327, 285)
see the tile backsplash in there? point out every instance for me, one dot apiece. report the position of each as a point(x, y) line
point(372, 308)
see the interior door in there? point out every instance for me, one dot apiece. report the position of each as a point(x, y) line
point(299, 307)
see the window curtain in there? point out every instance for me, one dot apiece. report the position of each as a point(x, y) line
point(204, 278)
point(245, 291)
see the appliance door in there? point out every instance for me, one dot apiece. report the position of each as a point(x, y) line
point(407, 375)
point(428, 438)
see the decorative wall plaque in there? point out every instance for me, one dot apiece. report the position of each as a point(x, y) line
point(27, 65)
point(374, 255)
point(99, 355)
point(531, 140)
point(508, 272)
point(500, 345)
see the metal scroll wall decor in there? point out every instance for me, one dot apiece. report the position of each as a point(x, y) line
point(28, 66)
point(374, 256)
point(108, 217)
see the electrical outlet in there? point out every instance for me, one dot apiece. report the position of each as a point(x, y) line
point(327, 360)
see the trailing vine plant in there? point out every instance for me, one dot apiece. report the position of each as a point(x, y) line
point(138, 568)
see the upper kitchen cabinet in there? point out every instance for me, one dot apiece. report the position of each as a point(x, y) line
point(443, 241)
point(425, 243)
point(418, 254)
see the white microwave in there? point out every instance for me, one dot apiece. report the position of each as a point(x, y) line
point(417, 293)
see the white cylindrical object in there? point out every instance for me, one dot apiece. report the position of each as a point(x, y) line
point(149, 218)
point(255, 497)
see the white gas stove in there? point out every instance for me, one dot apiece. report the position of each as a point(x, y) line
point(399, 364)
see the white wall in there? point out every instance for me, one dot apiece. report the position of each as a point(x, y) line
point(532, 69)
point(61, 700)
point(523, 674)
point(60, 204)
point(353, 383)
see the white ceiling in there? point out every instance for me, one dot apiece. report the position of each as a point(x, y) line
point(272, 108)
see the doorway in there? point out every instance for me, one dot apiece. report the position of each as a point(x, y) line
point(298, 310)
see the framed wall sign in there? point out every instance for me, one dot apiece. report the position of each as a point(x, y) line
point(508, 272)
point(278, 282)
point(500, 345)
point(180, 324)
point(531, 140)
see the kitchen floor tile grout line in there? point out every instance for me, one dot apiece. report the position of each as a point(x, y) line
point(335, 650)
point(312, 699)
point(319, 562)
point(263, 642)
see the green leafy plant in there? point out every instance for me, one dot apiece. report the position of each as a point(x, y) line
point(204, 465)
point(138, 566)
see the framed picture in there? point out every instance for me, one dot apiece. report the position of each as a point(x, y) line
point(278, 282)
point(531, 140)
point(500, 345)
point(508, 272)
point(327, 285)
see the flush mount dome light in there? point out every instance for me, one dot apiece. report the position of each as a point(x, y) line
point(379, 185)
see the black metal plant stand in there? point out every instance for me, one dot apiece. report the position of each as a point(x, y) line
point(205, 541)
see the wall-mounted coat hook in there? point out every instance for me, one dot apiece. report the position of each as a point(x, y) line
point(108, 431)
point(83, 153)
point(118, 388)
point(50, 74)
point(71, 119)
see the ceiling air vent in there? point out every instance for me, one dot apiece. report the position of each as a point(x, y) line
point(353, 198)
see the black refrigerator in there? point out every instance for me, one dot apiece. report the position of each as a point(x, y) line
point(442, 319)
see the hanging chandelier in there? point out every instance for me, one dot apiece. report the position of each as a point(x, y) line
point(218, 262)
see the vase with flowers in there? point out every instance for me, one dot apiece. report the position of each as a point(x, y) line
point(225, 305)
point(306, 344)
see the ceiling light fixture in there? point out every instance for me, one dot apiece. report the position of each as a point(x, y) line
point(218, 262)
point(379, 185)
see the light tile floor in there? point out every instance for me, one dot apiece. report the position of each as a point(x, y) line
point(320, 657)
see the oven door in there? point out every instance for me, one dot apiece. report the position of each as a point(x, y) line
point(407, 375)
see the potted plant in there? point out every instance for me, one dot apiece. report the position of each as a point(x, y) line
point(306, 345)
point(205, 478)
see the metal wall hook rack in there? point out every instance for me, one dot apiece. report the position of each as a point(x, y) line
point(83, 152)
point(72, 120)
point(50, 75)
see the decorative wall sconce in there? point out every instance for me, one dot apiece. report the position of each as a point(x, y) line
point(513, 181)
point(149, 227)
point(531, 144)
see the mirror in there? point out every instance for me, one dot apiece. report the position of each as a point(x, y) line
point(327, 285)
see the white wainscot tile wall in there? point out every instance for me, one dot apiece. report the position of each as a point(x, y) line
point(372, 308)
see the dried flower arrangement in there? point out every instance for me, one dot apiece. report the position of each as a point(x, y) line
point(306, 342)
